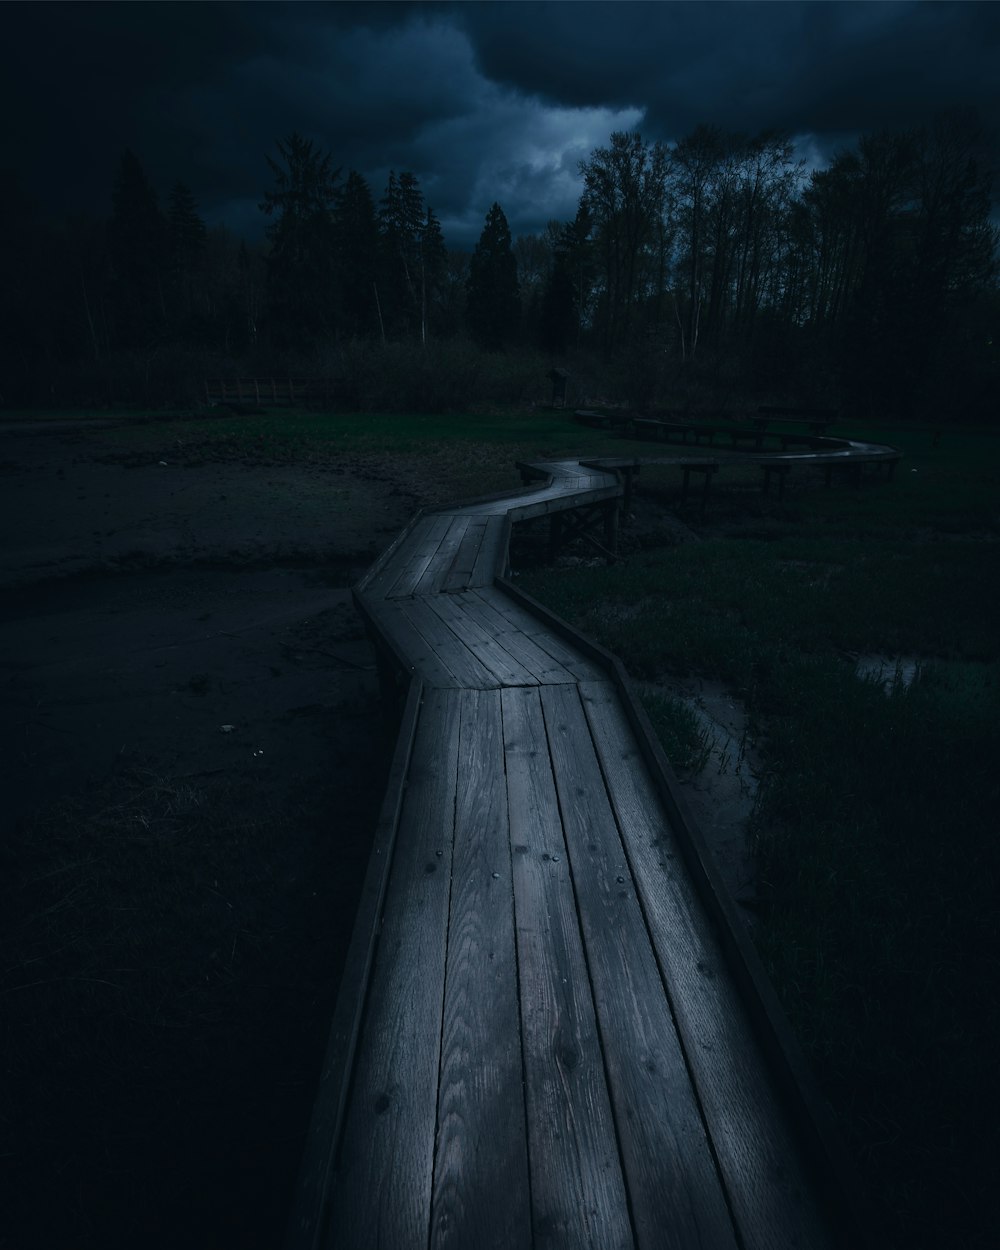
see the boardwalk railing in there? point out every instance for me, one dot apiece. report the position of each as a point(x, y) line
point(260, 391)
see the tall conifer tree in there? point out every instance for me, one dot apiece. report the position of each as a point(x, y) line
point(186, 241)
point(493, 297)
point(401, 223)
point(357, 241)
point(433, 260)
point(302, 264)
point(139, 250)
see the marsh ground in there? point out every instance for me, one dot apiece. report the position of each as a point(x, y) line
point(192, 759)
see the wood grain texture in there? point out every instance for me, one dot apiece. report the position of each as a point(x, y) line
point(525, 650)
point(522, 621)
point(432, 579)
point(306, 1221)
point(411, 564)
point(388, 556)
point(421, 540)
point(449, 649)
point(676, 1195)
point(768, 1191)
point(484, 645)
point(465, 558)
point(557, 501)
point(414, 652)
point(481, 1195)
point(578, 1193)
point(382, 1188)
point(491, 554)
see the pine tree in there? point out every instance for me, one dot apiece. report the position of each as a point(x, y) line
point(252, 271)
point(493, 299)
point(357, 241)
point(559, 321)
point(302, 264)
point(401, 221)
point(186, 229)
point(433, 261)
point(186, 243)
point(139, 250)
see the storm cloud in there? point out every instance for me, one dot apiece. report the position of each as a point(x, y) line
point(483, 102)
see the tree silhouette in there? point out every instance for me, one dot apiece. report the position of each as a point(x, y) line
point(302, 265)
point(401, 225)
point(433, 261)
point(186, 244)
point(357, 241)
point(559, 320)
point(624, 193)
point(139, 252)
point(492, 294)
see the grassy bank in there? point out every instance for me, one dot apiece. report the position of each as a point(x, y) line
point(878, 865)
point(449, 456)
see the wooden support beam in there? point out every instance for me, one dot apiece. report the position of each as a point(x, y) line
point(555, 534)
point(566, 527)
point(782, 472)
point(612, 511)
point(709, 471)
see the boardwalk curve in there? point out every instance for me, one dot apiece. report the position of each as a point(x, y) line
point(552, 1029)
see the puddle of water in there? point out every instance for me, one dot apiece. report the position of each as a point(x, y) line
point(889, 671)
point(722, 795)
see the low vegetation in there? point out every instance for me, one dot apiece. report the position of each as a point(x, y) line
point(456, 455)
point(877, 868)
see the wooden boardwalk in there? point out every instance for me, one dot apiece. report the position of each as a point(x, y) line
point(552, 1031)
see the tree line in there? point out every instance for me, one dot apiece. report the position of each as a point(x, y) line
point(874, 280)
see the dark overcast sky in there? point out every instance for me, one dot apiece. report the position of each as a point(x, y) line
point(482, 101)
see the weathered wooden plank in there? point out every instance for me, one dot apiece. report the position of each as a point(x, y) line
point(419, 545)
point(481, 1193)
point(447, 646)
point(578, 1193)
point(544, 668)
point(483, 645)
point(432, 578)
point(306, 1222)
point(410, 565)
point(563, 502)
point(677, 1198)
point(382, 1189)
point(413, 649)
point(567, 490)
point(768, 1191)
point(389, 554)
point(465, 558)
point(488, 561)
point(520, 619)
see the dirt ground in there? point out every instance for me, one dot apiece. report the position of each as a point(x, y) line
point(193, 759)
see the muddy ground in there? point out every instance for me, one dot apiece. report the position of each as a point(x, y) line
point(193, 757)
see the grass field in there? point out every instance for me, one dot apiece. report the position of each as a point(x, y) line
point(875, 825)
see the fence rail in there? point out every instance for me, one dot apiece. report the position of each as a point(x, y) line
point(269, 390)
